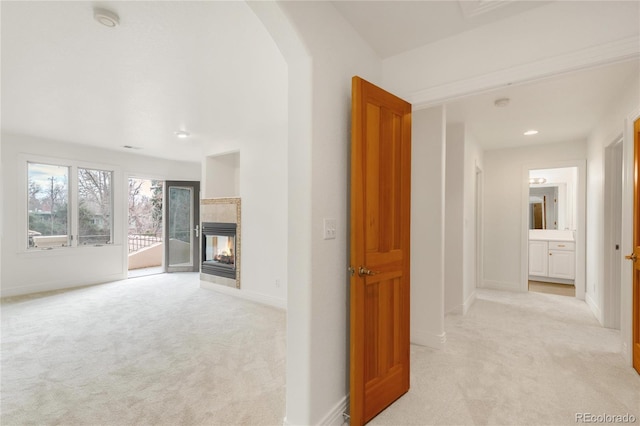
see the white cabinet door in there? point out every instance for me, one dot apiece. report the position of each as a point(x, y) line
point(538, 253)
point(562, 264)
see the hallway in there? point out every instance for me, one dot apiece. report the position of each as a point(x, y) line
point(518, 358)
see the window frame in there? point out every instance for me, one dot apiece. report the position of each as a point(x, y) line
point(72, 202)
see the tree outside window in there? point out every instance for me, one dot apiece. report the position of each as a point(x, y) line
point(48, 197)
point(94, 206)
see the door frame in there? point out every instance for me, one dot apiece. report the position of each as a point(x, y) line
point(626, 290)
point(581, 221)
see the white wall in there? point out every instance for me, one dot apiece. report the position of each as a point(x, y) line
point(473, 162)
point(26, 272)
point(502, 201)
point(610, 128)
point(464, 158)
point(428, 227)
point(320, 72)
point(454, 218)
point(556, 37)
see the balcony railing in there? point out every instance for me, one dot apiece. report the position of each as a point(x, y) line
point(140, 241)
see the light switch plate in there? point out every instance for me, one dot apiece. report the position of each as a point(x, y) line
point(329, 229)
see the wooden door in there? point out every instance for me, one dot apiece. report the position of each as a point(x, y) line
point(380, 220)
point(636, 249)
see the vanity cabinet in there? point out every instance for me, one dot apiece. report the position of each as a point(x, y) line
point(552, 259)
point(562, 260)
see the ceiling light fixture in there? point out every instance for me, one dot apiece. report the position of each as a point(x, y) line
point(538, 180)
point(502, 102)
point(530, 132)
point(182, 134)
point(106, 17)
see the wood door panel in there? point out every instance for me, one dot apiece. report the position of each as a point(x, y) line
point(383, 341)
point(380, 230)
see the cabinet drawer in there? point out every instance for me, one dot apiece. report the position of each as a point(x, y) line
point(562, 245)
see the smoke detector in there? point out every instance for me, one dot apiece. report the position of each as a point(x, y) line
point(502, 102)
point(106, 17)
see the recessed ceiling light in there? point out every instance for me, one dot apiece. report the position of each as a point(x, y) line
point(106, 17)
point(531, 132)
point(502, 102)
point(182, 134)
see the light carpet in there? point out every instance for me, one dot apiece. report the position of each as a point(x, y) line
point(154, 350)
point(518, 359)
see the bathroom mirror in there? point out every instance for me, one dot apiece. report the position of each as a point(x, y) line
point(543, 207)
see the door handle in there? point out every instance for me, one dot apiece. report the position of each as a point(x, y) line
point(364, 271)
point(197, 231)
point(632, 257)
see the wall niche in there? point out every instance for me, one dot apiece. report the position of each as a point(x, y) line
point(222, 176)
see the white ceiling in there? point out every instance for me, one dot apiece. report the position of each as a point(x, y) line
point(393, 27)
point(211, 68)
point(204, 67)
point(564, 108)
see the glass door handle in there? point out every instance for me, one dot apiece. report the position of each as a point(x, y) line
point(197, 231)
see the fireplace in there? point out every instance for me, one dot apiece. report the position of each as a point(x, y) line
point(219, 249)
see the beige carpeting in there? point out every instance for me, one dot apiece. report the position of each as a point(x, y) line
point(154, 350)
point(518, 359)
point(159, 350)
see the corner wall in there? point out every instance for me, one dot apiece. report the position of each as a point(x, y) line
point(321, 63)
point(428, 227)
point(472, 238)
point(611, 127)
point(454, 275)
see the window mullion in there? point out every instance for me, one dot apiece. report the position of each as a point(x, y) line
point(73, 205)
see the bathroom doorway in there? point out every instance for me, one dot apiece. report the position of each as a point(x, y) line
point(553, 237)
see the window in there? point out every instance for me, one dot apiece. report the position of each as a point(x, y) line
point(68, 206)
point(94, 206)
point(48, 205)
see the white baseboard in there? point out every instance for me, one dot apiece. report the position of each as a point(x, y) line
point(244, 294)
point(333, 417)
point(467, 303)
point(456, 310)
point(58, 285)
point(430, 340)
point(594, 308)
point(462, 308)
